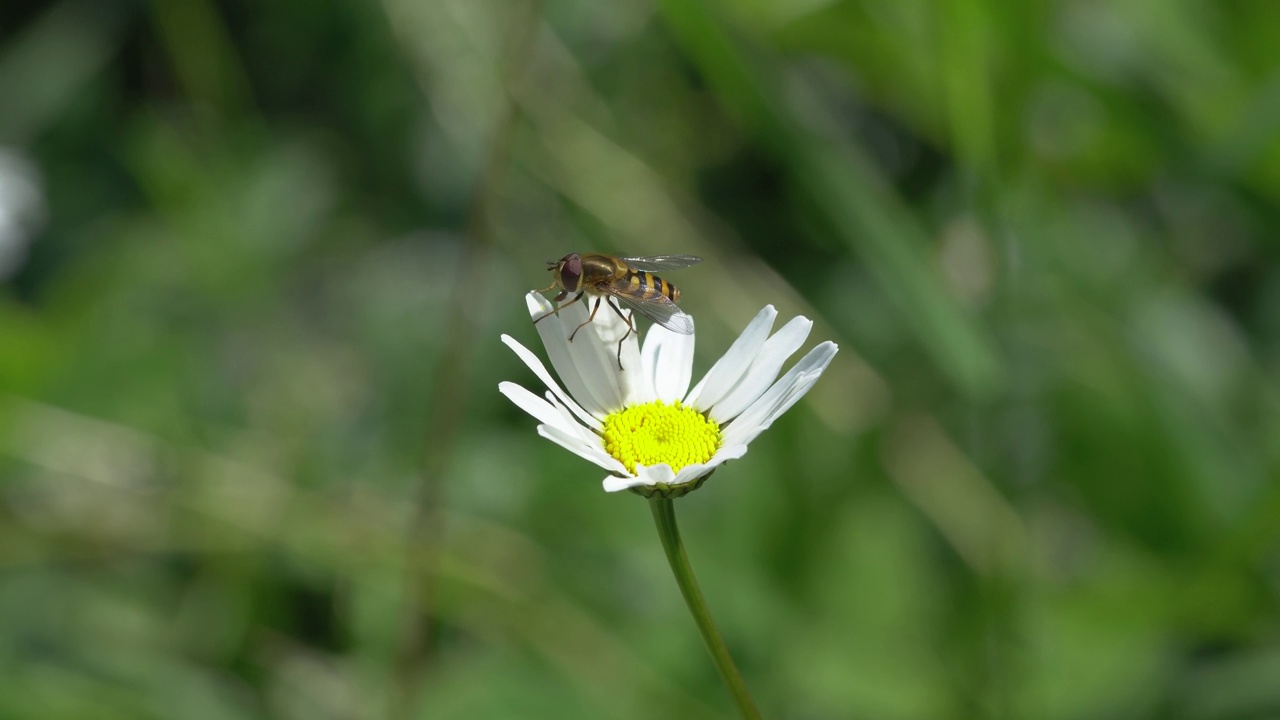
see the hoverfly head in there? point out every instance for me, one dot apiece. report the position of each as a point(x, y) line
point(568, 271)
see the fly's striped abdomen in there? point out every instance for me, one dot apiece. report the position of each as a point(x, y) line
point(644, 283)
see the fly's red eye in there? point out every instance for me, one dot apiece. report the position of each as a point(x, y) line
point(571, 272)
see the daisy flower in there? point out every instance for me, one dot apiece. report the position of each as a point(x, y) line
point(640, 421)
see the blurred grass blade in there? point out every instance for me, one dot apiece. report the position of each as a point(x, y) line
point(865, 213)
point(46, 66)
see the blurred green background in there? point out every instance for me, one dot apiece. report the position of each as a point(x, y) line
point(255, 259)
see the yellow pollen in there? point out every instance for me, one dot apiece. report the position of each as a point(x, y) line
point(656, 433)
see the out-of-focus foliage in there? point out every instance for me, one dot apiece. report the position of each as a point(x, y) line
point(255, 259)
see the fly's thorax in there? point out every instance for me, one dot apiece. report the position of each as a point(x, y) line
point(598, 268)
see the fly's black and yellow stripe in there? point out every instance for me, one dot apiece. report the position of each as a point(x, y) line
point(645, 283)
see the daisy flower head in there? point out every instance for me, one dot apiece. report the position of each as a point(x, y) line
point(629, 408)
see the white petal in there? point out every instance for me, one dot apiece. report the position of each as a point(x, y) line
point(614, 483)
point(552, 330)
point(692, 397)
point(662, 474)
point(689, 473)
point(537, 407)
point(648, 356)
point(585, 433)
point(668, 360)
point(540, 371)
point(722, 376)
point(593, 355)
point(779, 398)
point(634, 377)
point(764, 370)
point(597, 351)
point(640, 387)
point(785, 393)
point(584, 450)
point(769, 408)
point(810, 368)
point(658, 474)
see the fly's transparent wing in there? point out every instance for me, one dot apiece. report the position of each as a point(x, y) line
point(655, 306)
point(655, 263)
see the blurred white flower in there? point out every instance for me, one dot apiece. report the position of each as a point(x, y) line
point(22, 208)
point(643, 424)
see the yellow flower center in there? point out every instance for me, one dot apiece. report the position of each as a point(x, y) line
point(656, 433)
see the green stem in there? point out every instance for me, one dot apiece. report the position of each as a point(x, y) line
point(664, 516)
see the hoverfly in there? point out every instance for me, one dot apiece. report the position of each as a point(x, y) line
point(630, 281)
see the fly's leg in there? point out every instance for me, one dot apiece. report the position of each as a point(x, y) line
point(590, 317)
point(560, 297)
point(631, 328)
point(630, 321)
